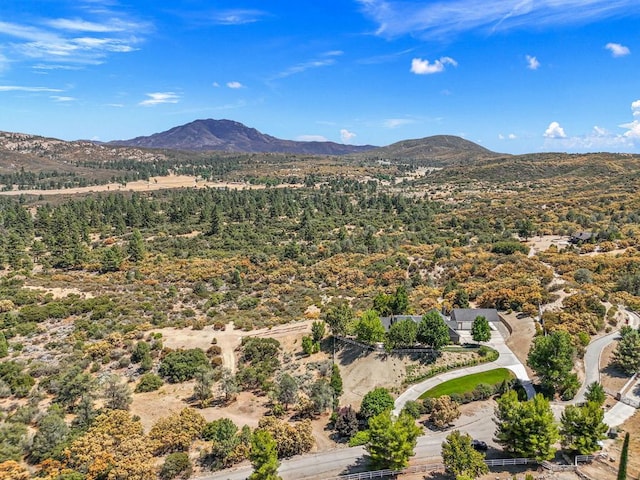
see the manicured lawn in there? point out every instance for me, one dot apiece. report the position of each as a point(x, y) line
point(468, 383)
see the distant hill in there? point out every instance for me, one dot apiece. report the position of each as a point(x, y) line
point(230, 136)
point(435, 151)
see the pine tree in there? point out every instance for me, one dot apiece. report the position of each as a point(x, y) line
point(392, 441)
point(460, 458)
point(480, 330)
point(264, 457)
point(136, 249)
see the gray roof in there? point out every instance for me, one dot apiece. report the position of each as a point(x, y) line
point(470, 314)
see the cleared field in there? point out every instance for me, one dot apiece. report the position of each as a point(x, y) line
point(468, 383)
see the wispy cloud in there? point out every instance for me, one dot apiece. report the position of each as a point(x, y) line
point(397, 122)
point(73, 41)
point(62, 99)
point(424, 67)
point(312, 138)
point(326, 59)
point(444, 18)
point(617, 50)
point(158, 98)
point(532, 63)
point(237, 16)
point(17, 88)
point(234, 85)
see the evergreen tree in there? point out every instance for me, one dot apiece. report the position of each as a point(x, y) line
point(338, 318)
point(595, 393)
point(480, 330)
point(626, 357)
point(582, 428)
point(287, 390)
point(369, 328)
point(336, 381)
point(117, 395)
point(51, 435)
point(526, 429)
point(264, 457)
point(4, 346)
point(216, 221)
point(433, 331)
point(460, 458)
point(624, 458)
point(552, 357)
point(392, 441)
point(136, 249)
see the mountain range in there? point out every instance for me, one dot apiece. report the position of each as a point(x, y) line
point(231, 136)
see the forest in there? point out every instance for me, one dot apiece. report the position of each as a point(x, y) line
point(333, 234)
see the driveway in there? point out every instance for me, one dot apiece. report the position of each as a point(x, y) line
point(507, 359)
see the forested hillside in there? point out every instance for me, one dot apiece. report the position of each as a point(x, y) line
point(128, 263)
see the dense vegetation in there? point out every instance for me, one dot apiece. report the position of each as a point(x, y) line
point(342, 237)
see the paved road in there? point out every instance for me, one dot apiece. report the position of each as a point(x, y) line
point(340, 461)
point(592, 363)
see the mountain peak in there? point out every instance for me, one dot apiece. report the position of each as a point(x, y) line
point(231, 136)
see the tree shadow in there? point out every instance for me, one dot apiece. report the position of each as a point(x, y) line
point(347, 353)
point(614, 372)
point(361, 464)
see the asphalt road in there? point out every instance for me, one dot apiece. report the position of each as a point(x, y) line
point(347, 460)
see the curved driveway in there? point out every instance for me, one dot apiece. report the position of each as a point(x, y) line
point(334, 462)
point(507, 359)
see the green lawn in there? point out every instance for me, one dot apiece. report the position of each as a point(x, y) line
point(468, 383)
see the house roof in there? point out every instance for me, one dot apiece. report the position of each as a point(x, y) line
point(582, 236)
point(470, 314)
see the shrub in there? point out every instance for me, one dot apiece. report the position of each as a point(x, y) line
point(176, 465)
point(149, 382)
point(413, 408)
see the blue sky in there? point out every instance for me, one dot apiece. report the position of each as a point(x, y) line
point(513, 75)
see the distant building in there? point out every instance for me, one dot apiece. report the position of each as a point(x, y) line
point(581, 237)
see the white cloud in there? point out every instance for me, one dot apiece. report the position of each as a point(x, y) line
point(16, 88)
point(635, 108)
point(215, 84)
point(76, 41)
point(62, 99)
point(554, 130)
point(633, 129)
point(346, 135)
point(446, 17)
point(312, 138)
point(617, 50)
point(532, 63)
point(424, 67)
point(234, 85)
point(80, 25)
point(238, 16)
point(397, 122)
point(301, 67)
point(158, 98)
point(511, 136)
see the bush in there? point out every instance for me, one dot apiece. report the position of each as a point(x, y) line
point(182, 365)
point(149, 382)
point(413, 408)
point(176, 465)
